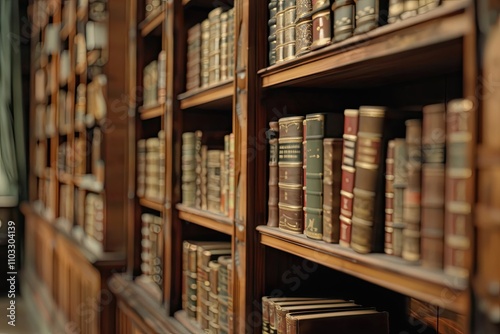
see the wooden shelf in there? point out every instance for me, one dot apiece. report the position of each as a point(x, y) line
point(431, 286)
point(142, 305)
point(207, 219)
point(151, 112)
point(422, 45)
point(153, 21)
point(151, 204)
point(217, 96)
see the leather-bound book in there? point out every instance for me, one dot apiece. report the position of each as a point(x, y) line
point(367, 217)
point(213, 304)
point(332, 180)
point(188, 168)
point(162, 77)
point(317, 127)
point(433, 176)
point(204, 177)
point(343, 19)
point(412, 193)
point(396, 8)
point(370, 14)
point(214, 49)
point(351, 123)
point(280, 31)
point(268, 302)
point(272, 137)
point(224, 56)
point(223, 289)
point(321, 24)
point(399, 185)
point(344, 322)
point(389, 199)
point(281, 312)
point(231, 182)
point(290, 174)
point(303, 27)
point(193, 69)
point(410, 9)
point(205, 52)
point(273, 8)
point(304, 166)
point(289, 30)
point(426, 5)
point(459, 193)
point(230, 43)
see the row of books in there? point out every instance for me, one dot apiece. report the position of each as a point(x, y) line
point(151, 167)
point(94, 216)
point(208, 174)
point(207, 285)
point(297, 27)
point(152, 247)
point(331, 186)
point(155, 81)
point(303, 315)
point(210, 47)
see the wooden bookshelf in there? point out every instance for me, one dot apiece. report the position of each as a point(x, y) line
point(418, 46)
point(384, 270)
point(152, 21)
point(216, 97)
point(151, 112)
point(206, 219)
point(152, 204)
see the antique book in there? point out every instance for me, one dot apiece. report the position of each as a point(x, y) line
point(303, 27)
point(226, 174)
point(282, 311)
point(332, 181)
point(224, 47)
point(96, 35)
point(193, 70)
point(280, 31)
point(290, 174)
point(214, 46)
point(289, 29)
point(272, 137)
point(344, 322)
point(198, 169)
point(304, 167)
point(141, 167)
point(188, 168)
point(389, 199)
point(267, 301)
point(396, 8)
point(343, 19)
point(321, 24)
point(426, 5)
point(433, 187)
point(412, 192)
point(205, 52)
point(459, 193)
point(273, 7)
point(231, 182)
point(230, 43)
point(152, 189)
point(410, 9)
point(161, 166)
point(224, 292)
point(351, 123)
point(367, 217)
point(203, 177)
point(399, 185)
point(162, 77)
point(274, 305)
point(370, 14)
point(214, 180)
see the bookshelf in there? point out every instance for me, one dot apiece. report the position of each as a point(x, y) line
point(74, 220)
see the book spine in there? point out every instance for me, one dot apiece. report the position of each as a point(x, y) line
point(304, 167)
point(230, 57)
point(222, 181)
point(162, 77)
point(368, 15)
point(290, 174)
point(389, 199)
point(213, 308)
point(265, 315)
point(291, 325)
point(367, 225)
point(280, 31)
point(343, 12)
point(193, 70)
point(289, 30)
point(232, 176)
point(185, 257)
point(412, 193)
point(396, 9)
point(214, 51)
point(273, 175)
point(224, 57)
point(213, 180)
point(351, 124)
point(313, 204)
point(321, 28)
point(332, 180)
point(433, 185)
point(205, 46)
point(400, 183)
point(273, 6)
point(188, 169)
point(410, 9)
point(459, 192)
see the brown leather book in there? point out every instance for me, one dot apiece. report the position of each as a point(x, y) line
point(412, 193)
point(344, 322)
point(332, 151)
point(367, 217)
point(389, 199)
point(321, 24)
point(267, 301)
point(459, 193)
point(290, 173)
point(272, 137)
